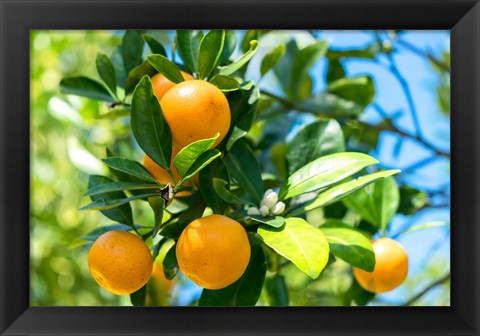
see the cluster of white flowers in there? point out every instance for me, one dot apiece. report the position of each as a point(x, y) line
point(268, 206)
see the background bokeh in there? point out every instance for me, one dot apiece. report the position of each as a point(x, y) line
point(68, 138)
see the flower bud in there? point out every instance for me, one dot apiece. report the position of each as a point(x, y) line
point(264, 211)
point(270, 200)
point(253, 211)
point(278, 208)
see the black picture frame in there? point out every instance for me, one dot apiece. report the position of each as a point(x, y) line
point(17, 17)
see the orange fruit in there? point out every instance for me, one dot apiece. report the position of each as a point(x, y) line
point(161, 84)
point(120, 262)
point(213, 251)
point(391, 267)
point(195, 110)
point(161, 175)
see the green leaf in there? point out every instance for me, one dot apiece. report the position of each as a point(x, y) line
point(166, 67)
point(241, 61)
point(97, 232)
point(225, 83)
point(209, 52)
point(349, 245)
point(139, 297)
point(337, 192)
point(369, 52)
point(275, 222)
point(188, 43)
point(194, 211)
point(149, 126)
point(331, 105)
point(136, 74)
point(155, 46)
point(359, 89)
point(114, 113)
point(132, 49)
point(132, 168)
point(304, 60)
point(335, 70)
point(117, 186)
point(187, 155)
point(228, 47)
point(157, 204)
point(85, 87)
point(271, 59)
point(321, 138)
point(411, 200)
point(206, 177)
point(121, 214)
point(246, 290)
point(324, 172)
point(283, 69)
point(221, 189)
point(103, 203)
point(170, 263)
point(299, 242)
point(107, 72)
point(277, 291)
point(244, 168)
point(201, 162)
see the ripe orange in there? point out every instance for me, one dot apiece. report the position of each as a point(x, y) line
point(213, 251)
point(195, 110)
point(161, 175)
point(391, 267)
point(120, 262)
point(161, 84)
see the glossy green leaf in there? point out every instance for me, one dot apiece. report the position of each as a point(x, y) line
point(201, 162)
point(228, 47)
point(117, 186)
point(331, 105)
point(155, 46)
point(85, 87)
point(132, 49)
point(209, 52)
point(170, 263)
point(324, 172)
point(225, 83)
point(221, 189)
point(97, 232)
point(166, 67)
point(275, 222)
point(368, 52)
point(132, 168)
point(359, 89)
point(335, 70)
point(318, 139)
point(299, 242)
point(136, 74)
point(349, 245)
point(206, 177)
point(149, 126)
point(304, 60)
point(283, 69)
point(386, 198)
point(246, 290)
point(337, 192)
point(157, 204)
point(188, 43)
point(121, 214)
point(244, 168)
point(277, 291)
point(188, 154)
point(107, 72)
point(139, 297)
point(271, 59)
point(103, 203)
point(114, 113)
point(241, 61)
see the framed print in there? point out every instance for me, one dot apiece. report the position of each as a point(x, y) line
point(238, 168)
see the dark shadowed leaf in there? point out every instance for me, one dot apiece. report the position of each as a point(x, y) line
point(271, 59)
point(170, 263)
point(155, 46)
point(209, 52)
point(225, 83)
point(132, 49)
point(216, 169)
point(335, 70)
point(158, 205)
point(228, 47)
point(277, 290)
point(136, 74)
point(321, 138)
point(194, 211)
point(149, 126)
point(121, 214)
point(107, 72)
point(139, 297)
point(85, 87)
point(331, 105)
point(222, 190)
point(132, 168)
point(360, 89)
point(103, 203)
point(188, 43)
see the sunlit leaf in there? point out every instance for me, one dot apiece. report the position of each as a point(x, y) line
point(166, 67)
point(129, 167)
point(241, 61)
point(85, 87)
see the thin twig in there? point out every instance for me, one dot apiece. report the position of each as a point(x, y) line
point(434, 284)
